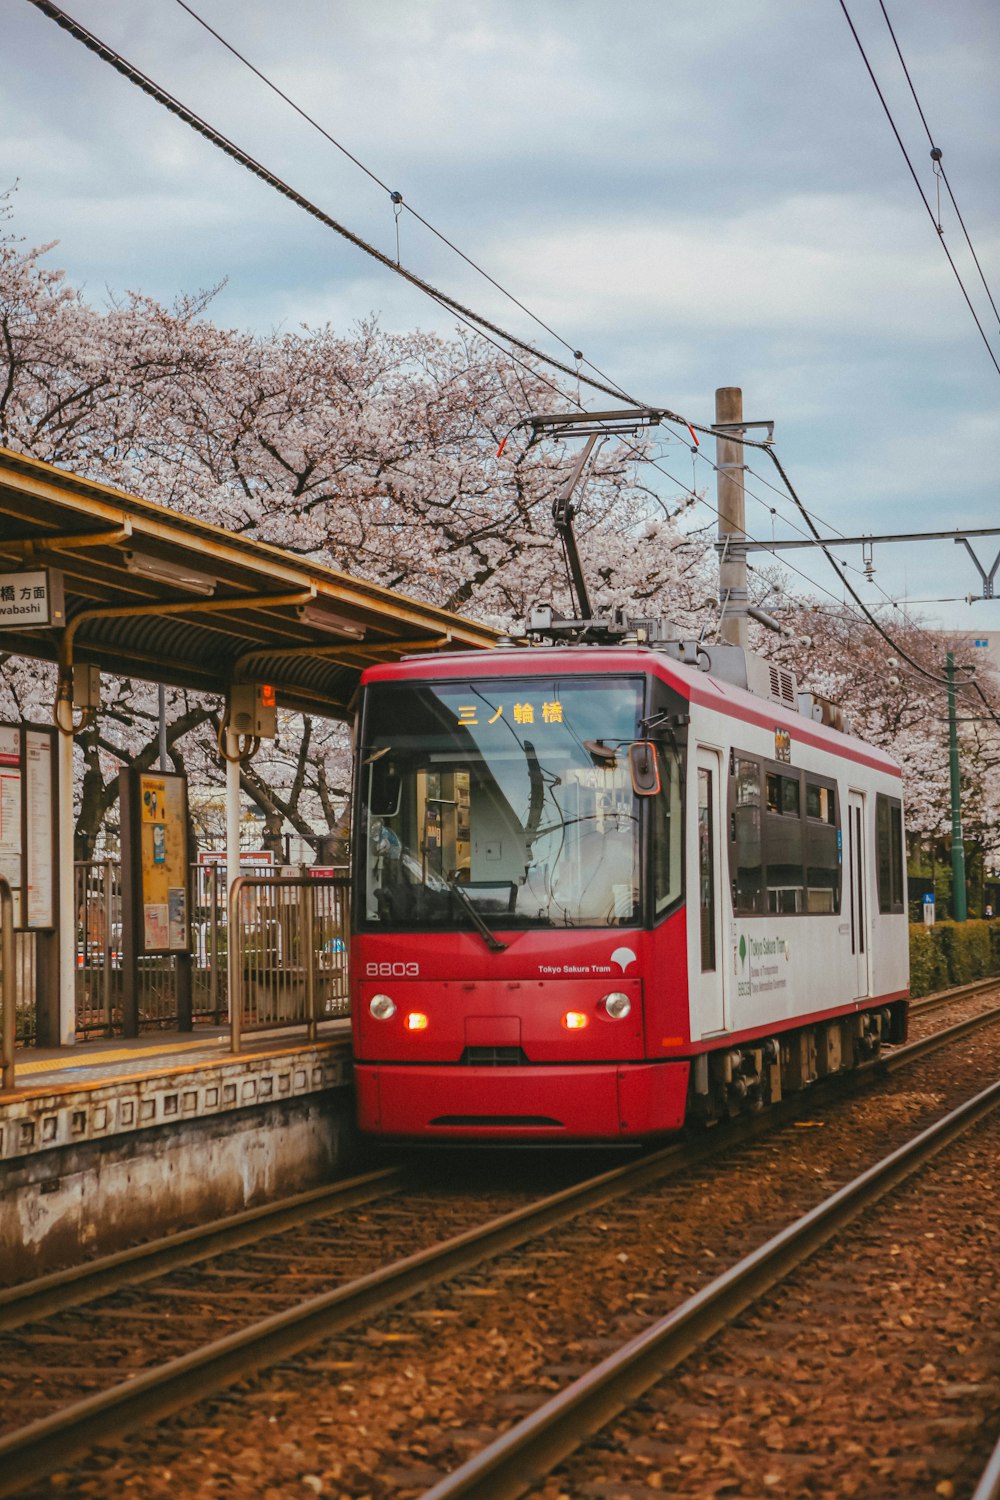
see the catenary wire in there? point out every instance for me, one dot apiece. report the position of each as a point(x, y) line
point(148, 86)
point(824, 544)
point(783, 562)
point(839, 569)
point(837, 535)
point(471, 320)
point(923, 195)
point(840, 572)
point(244, 159)
point(405, 205)
point(938, 161)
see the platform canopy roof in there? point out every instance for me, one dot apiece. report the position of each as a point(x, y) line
point(154, 594)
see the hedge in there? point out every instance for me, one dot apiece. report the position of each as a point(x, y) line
point(952, 953)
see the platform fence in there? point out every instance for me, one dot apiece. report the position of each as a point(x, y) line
point(280, 922)
point(289, 960)
point(25, 1023)
point(8, 999)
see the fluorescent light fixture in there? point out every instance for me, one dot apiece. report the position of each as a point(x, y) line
point(320, 618)
point(162, 571)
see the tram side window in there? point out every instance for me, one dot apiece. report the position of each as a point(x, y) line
point(746, 858)
point(889, 853)
point(783, 844)
point(822, 851)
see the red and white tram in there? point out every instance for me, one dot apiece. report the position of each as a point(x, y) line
point(601, 890)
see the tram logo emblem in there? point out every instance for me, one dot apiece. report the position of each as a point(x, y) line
point(743, 950)
point(623, 957)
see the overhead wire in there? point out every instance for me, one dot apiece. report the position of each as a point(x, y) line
point(937, 157)
point(839, 568)
point(837, 535)
point(478, 322)
point(404, 203)
point(923, 195)
point(243, 158)
point(790, 567)
point(703, 500)
point(824, 544)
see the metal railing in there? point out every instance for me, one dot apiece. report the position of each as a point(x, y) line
point(8, 982)
point(25, 1014)
point(276, 929)
point(98, 905)
point(99, 956)
point(288, 955)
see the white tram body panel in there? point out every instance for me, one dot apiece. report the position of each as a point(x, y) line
point(807, 952)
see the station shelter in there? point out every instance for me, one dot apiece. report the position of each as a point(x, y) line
point(97, 581)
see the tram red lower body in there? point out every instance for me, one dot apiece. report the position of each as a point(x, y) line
point(601, 1102)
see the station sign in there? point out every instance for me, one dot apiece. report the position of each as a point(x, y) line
point(32, 600)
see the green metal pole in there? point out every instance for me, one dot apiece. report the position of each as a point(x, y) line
point(959, 908)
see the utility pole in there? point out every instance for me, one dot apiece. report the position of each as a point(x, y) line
point(959, 908)
point(732, 516)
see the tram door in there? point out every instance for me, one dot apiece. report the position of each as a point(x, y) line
point(708, 970)
point(856, 878)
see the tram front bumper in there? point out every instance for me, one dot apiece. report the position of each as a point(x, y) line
point(618, 1101)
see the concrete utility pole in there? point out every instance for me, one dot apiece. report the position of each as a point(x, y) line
point(959, 908)
point(732, 519)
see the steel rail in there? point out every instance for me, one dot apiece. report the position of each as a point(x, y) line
point(953, 996)
point(913, 1051)
point(988, 1487)
point(531, 1449)
point(31, 1452)
point(38, 1298)
point(35, 1299)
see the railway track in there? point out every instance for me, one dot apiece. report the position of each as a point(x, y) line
point(949, 999)
point(151, 1393)
point(513, 1464)
point(31, 1300)
point(40, 1298)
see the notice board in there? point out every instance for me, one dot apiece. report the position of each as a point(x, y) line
point(28, 824)
point(156, 858)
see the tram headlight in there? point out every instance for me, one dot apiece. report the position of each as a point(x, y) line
point(382, 1007)
point(617, 1005)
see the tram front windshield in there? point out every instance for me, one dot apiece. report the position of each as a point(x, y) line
point(511, 797)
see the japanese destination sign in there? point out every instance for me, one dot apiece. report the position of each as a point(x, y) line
point(31, 600)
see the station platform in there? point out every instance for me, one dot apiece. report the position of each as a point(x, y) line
point(115, 1139)
point(104, 1059)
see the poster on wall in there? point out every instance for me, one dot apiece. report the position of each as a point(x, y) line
point(40, 828)
point(163, 861)
point(28, 822)
point(11, 844)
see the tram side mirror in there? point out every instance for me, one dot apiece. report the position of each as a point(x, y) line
point(644, 768)
point(385, 788)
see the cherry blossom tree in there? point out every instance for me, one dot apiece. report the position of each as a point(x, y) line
point(402, 458)
point(376, 453)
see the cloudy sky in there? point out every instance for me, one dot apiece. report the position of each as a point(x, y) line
point(694, 195)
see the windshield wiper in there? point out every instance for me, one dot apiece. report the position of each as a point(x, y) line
point(481, 926)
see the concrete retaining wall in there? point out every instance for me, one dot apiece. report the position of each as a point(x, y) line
point(87, 1171)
